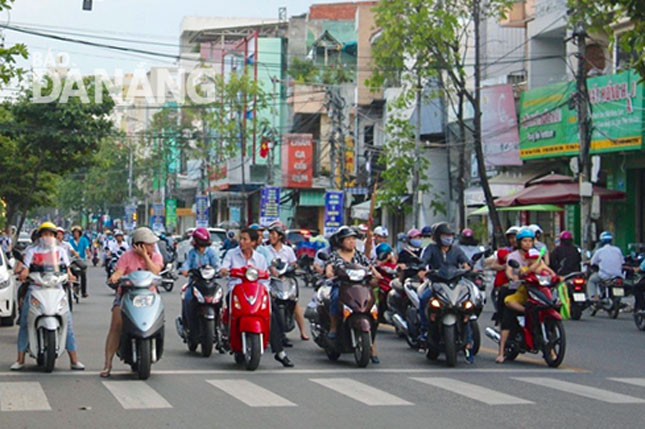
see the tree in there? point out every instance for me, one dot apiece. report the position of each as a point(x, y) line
point(9, 55)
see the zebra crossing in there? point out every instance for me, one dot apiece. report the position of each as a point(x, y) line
point(140, 395)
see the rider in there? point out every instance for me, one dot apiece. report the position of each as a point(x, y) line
point(528, 259)
point(380, 236)
point(60, 237)
point(278, 250)
point(118, 246)
point(469, 244)
point(443, 253)
point(141, 256)
point(565, 258)
point(411, 253)
point(47, 253)
point(6, 242)
point(538, 244)
point(609, 260)
point(81, 246)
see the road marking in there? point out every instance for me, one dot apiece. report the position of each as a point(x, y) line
point(635, 381)
point(472, 391)
point(23, 396)
point(361, 392)
point(136, 395)
point(251, 394)
point(582, 390)
point(532, 360)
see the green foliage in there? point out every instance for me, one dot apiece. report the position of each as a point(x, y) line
point(601, 15)
point(303, 71)
point(306, 72)
point(9, 55)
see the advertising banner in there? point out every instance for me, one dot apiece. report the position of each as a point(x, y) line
point(129, 219)
point(500, 138)
point(171, 214)
point(334, 207)
point(297, 160)
point(549, 122)
point(157, 218)
point(269, 205)
point(201, 211)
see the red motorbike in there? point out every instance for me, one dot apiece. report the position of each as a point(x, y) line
point(248, 318)
point(540, 329)
point(384, 287)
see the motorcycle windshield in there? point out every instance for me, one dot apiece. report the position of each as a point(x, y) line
point(453, 294)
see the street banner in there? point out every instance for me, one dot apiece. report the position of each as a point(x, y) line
point(129, 220)
point(269, 205)
point(201, 211)
point(157, 218)
point(500, 137)
point(171, 214)
point(297, 160)
point(334, 207)
point(234, 214)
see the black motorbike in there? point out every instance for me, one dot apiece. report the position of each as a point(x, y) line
point(199, 324)
point(78, 267)
point(306, 264)
point(284, 292)
point(576, 284)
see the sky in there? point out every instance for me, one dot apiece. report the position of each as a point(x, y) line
point(153, 24)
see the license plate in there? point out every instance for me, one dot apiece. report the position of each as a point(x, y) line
point(579, 297)
point(618, 291)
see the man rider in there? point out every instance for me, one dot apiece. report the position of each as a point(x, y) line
point(565, 258)
point(380, 236)
point(609, 260)
point(245, 255)
point(118, 246)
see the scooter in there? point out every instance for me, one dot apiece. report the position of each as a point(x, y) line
point(540, 329)
point(612, 292)
point(142, 310)
point(247, 320)
point(168, 276)
point(357, 329)
point(47, 317)
point(200, 325)
point(284, 293)
point(576, 284)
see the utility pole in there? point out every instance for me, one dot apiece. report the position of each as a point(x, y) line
point(332, 137)
point(584, 128)
point(416, 197)
point(130, 174)
point(274, 81)
point(498, 236)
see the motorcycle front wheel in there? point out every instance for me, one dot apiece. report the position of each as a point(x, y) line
point(363, 348)
point(449, 339)
point(555, 349)
point(208, 334)
point(50, 350)
point(144, 359)
point(253, 351)
point(639, 318)
point(168, 286)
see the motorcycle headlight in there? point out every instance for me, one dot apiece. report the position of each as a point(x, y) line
point(356, 275)
point(252, 274)
point(218, 295)
point(468, 305)
point(374, 312)
point(236, 303)
point(435, 303)
point(4, 284)
point(346, 311)
point(143, 300)
point(198, 295)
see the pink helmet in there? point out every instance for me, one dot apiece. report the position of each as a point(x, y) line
point(202, 236)
point(566, 235)
point(467, 233)
point(413, 233)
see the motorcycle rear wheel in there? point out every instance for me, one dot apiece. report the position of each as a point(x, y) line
point(168, 286)
point(576, 312)
point(615, 308)
point(144, 359)
point(363, 348)
point(332, 355)
point(208, 334)
point(477, 337)
point(450, 345)
point(557, 343)
point(50, 350)
point(639, 319)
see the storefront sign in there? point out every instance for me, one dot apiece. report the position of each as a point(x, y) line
point(334, 208)
point(269, 205)
point(297, 160)
point(201, 211)
point(500, 138)
point(549, 128)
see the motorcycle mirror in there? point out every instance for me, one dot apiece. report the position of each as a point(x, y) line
point(323, 256)
point(513, 263)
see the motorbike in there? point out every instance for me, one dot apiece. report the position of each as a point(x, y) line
point(168, 276)
point(142, 336)
point(78, 267)
point(284, 293)
point(47, 317)
point(540, 329)
point(200, 325)
point(95, 256)
point(247, 319)
point(305, 262)
point(576, 284)
point(110, 267)
point(357, 328)
point(612, 292)
point(384, 288)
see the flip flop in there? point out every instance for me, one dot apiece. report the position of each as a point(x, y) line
point(304, 337)
point(105, 373)
point(499, 361)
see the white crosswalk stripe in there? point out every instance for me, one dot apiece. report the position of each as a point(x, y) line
point(136, 395)
point(23, 396)
point(472, 391)
point(582, 390)
point(634, 381)
point(251, 394)
point(360, 392)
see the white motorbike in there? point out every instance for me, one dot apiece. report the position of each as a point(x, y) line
point(47, 318)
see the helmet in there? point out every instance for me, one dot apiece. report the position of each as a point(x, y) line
point(60, 229)
point(442, 228)
point(362, 228)
point(202, 236)
point(77, 228)
point(344, 232)
point(277, 227)
point(606, 237)
point(566, 235)
point(535, 228)
point(512, 230)
point(426, 231)
point(381, 231)
point(119, 232)
point(382, 250)
point(46, 226)
point(256, 226)
point(467, 233)
point(413, 233)
point(524, 233)
point(108, 231)
point(143, 234)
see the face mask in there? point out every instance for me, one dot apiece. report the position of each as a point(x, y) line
point(415, 242)
point(447, 241)
point(48, 241)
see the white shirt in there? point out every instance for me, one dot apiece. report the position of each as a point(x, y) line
point(67, 247)
point(46, 256)
point(285, 253)
point(5, 242)
point(235, 259)
point(610, 262)
point(118, 249)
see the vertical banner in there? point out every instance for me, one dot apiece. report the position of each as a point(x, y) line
point(334, 207)
point(500, 135)
point(201, 211)
point(157, 218)
point(171, 214)
point(235, 213)
point(297, 161)
point(269, 205)
point(130, 220)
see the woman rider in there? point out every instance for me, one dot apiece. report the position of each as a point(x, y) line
point(529, 261)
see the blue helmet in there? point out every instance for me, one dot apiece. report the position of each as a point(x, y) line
point(606, 237)
point(382, 250)
point(525, 233)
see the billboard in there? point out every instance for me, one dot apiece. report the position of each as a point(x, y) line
point(297, 161)
point(500, 138)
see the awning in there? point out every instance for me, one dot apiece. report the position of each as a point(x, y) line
point(362, 210)
point(530, 208)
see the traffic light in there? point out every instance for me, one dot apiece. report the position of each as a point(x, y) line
point(87, 4)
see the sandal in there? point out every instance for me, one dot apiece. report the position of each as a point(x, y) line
point(303, 337)
point(500, 359)
point(105, 373)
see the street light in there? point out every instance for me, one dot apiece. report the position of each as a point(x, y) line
point(87, 4)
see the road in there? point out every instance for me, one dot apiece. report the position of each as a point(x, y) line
point(601, 384)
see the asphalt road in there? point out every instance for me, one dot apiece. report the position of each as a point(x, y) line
point(601, 383)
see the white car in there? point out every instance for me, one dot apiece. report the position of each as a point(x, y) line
point(8, 293)
point(218, 235)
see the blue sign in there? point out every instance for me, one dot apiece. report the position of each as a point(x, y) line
point(201, 211)
point(269, 205)
point(234, 214)
point(157, 221)
point(334, 208)
point(130, 221)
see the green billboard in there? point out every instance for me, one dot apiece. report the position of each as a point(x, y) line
point(549, 120)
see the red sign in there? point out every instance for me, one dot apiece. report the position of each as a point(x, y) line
point(297, 160)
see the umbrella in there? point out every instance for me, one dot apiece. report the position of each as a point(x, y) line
point(529, 208)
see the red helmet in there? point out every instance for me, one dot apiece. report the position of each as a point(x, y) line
point(566, 235)
point(467, 233)
point(202, 236)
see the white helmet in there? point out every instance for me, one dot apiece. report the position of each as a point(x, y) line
point(381, 231)
point(512, 230)
point(535, 228)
